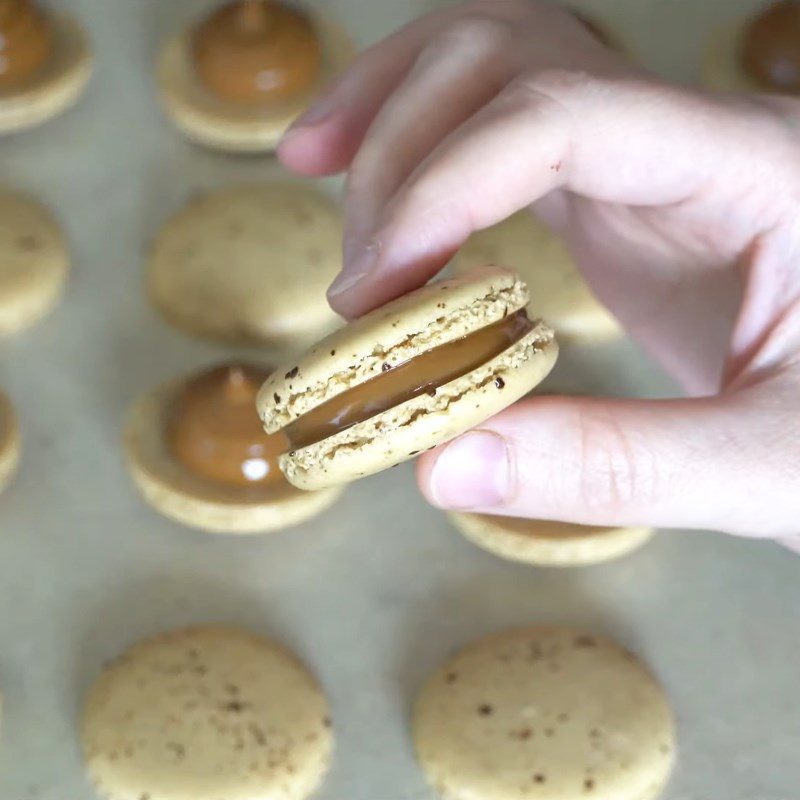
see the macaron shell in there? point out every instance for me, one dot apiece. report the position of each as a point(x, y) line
point(10, 445)
point(34, 262)
point(392, 334)
point(558, 292)
point(221, 125)
point(57, 87)
point(207, 713)
point(195, 501)
point(426, 421)
point(722, 68)
point(544, 712)
point(249, 265)
point(546, 543)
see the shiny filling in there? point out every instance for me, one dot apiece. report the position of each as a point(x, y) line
point(213, 429)
point(423, 373)
point(771, 47)
point(26, 41)
point(257, 52)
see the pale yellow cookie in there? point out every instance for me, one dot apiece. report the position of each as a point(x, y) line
point(207, 713)
point(552, 544)
point(34, 262)
point(557, 290)
point(544, 713)
point(55, 87)
point(249, 265)
point(9, 441)
point(222, 125)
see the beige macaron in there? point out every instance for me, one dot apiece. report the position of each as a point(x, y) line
point(55, 86)
point(249, 265)
point(546, 543)
point(405, 377)
point(220, 124)
point(557, 289)
point(544, 712)
point(207, 713)
point(197, 500)
point(9, 441)
point(34, 262)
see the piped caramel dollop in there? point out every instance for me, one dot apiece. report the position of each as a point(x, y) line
point(257, 52)
point(26, 41)
point(771, 47)
point(215, 432)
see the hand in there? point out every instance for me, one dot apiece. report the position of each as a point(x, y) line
point(682, 209)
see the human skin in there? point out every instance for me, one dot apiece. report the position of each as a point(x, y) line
point(682, 209)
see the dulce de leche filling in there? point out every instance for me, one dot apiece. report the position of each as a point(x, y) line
point(423, 373)
point(257, 52)
point(771, 47)
point(214, 431)
point(26, 41)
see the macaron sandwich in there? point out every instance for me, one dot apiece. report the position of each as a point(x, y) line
point(406, 377)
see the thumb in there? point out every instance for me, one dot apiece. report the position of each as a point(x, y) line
point(700, 463)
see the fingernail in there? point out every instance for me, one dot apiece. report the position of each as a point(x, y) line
point(318, 112)
point(359, 260)
point(345, 281)
point(474, 471)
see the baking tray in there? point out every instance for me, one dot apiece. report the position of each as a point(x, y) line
point(374, 593)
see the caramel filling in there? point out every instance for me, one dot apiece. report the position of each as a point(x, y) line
point(214, 430)
point(425, 372)
point(257, 52)
point(26, 41)
point(771, 47)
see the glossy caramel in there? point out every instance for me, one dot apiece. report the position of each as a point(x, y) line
point(771, 47)
point(26, 41)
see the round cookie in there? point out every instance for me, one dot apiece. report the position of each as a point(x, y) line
point(558, 291)
point(55, 85)
point(544, 712)
point(405, 377)
point(207, 713)
point(218, 123)
point(546, 543)
point(9, 441)
point(198, 500)
point(249, 265)
point(34, 262)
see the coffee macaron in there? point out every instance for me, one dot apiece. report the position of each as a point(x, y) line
point(9, 441)
point(197, 454)
point(249, 265)
point(45, 64)
point(405, 377)
point(34, 262)
point(236, 79)
point(758, 53)
point(546, 543)
point(206, 713)
point(558, 291)
point(544, 713)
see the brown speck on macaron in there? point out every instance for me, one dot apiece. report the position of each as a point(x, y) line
point(292, 373)
point(385, 367)
point(485, 710)
point(276, 397)
point(588, 784)
point(499, 383)
point(539, 778)
point(585, 641)
point(333, 352)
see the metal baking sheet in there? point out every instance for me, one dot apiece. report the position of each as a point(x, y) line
point(372, 594)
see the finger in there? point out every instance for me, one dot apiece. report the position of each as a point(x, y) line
point(677, 463)
point(324, 140)
point(610, 139)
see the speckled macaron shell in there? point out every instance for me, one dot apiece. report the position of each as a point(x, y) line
point(249, 265)
point(55, 87)
point(34, 262)
point(432, 316)
point(216, 123)
point(558, 292)
point(201, 503)
point(544, 713)
point(546, 543)
point(722, 67)
point(208, 713)
point(10, 445)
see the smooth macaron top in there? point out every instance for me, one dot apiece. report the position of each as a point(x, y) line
point(389, 336)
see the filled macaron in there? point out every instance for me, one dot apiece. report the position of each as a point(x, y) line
point(197, 453)
point(236, 79)
point(759, 53)
point(45, 64)
point(406, 377)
